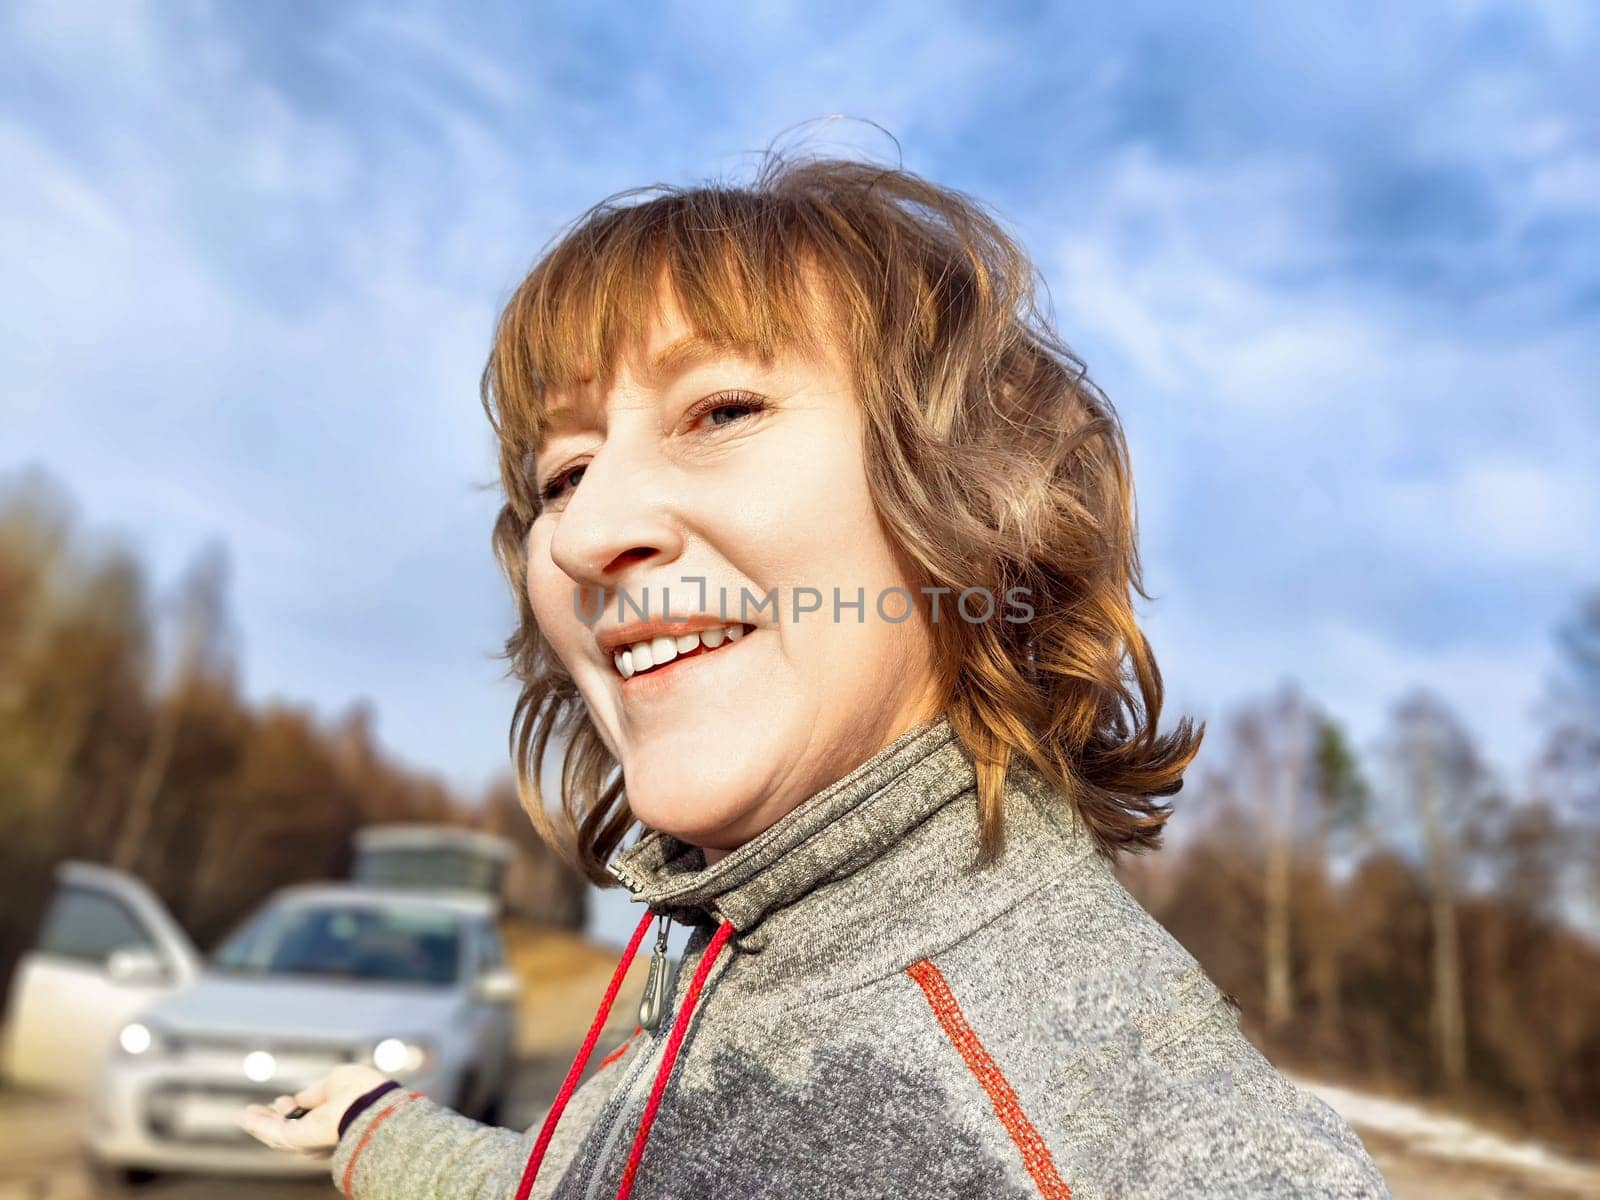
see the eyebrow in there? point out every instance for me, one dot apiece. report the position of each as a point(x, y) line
point(682, 354)
point(673, 359)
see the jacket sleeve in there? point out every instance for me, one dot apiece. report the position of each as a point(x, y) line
point(409, 1147)
point(1212, 1118)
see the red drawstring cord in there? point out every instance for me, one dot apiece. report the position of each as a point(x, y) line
point(679, 1028)
point(547, 1130)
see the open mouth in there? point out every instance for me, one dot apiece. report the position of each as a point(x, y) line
point(643, 658)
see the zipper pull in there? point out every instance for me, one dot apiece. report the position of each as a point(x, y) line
point(656, 985)
point(625, 877)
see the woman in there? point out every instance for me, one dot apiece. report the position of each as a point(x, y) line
point(821, 534)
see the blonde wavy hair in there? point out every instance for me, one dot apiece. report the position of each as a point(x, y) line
point(992, 458)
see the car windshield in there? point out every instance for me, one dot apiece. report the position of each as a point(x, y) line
point(346, 941)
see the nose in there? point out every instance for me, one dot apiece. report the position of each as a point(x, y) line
point(616, 519)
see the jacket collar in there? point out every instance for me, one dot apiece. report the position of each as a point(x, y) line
point(827, 837)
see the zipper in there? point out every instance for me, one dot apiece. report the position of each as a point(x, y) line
point(658, 983)
point(628, 879)
point(636, 1086)
point(610, 1119)
point(621, 1104)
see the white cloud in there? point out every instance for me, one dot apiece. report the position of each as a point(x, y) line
point(1299, 445)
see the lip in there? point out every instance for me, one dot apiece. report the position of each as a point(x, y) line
point(659, 682)
point(621, 637)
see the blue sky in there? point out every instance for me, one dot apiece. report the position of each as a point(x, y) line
point(1339, 270)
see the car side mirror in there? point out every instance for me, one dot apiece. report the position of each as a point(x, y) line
point(498, 985)
point(136, 966)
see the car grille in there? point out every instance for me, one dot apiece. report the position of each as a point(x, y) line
point(166, 1106)
point(195, 1109)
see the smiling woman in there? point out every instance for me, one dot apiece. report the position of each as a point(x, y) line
point(824, 555)
point(706, 483)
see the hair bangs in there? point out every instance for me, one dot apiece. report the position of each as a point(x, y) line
point(735, 275)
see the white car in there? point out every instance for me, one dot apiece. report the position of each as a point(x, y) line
point(115, 1001)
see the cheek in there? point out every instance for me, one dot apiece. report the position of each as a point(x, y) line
point(536, 578)
point(802, 507)
point(807, 520)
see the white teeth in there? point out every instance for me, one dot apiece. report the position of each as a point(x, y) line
point(642, 656)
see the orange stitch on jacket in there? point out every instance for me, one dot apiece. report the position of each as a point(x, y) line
point(350, 1167)
point(1035, 1154)
point(620, 1050)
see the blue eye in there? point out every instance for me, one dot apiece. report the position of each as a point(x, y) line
point(553, 489)
point(745, 403)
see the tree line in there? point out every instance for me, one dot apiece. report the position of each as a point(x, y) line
point(125, 739)
point(1406, 918)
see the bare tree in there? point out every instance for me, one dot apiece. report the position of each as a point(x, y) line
point(1449, 790)
point(202, 605)
point(1289, 749)
point(1274, 745)
point(1567, 770)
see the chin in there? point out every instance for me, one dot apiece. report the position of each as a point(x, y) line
point(696, 798)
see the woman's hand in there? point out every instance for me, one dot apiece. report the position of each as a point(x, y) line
point(317, 1133)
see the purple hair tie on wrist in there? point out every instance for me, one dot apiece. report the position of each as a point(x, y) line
point(364, 1102)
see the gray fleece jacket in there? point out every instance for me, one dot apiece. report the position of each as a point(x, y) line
point(886, 1020)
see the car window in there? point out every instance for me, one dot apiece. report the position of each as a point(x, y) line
point(87, 925)
point(349, 941)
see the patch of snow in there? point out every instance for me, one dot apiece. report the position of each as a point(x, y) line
point(1437, 1133)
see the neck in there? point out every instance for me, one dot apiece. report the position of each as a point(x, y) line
point(904, 824)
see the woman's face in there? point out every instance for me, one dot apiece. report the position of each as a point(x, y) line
point(699, 466)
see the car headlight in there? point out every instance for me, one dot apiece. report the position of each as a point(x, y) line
point(402, 1056)
point(141, 1039)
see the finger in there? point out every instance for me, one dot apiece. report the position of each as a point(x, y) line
point(284, 1104)
point(311, 1095)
